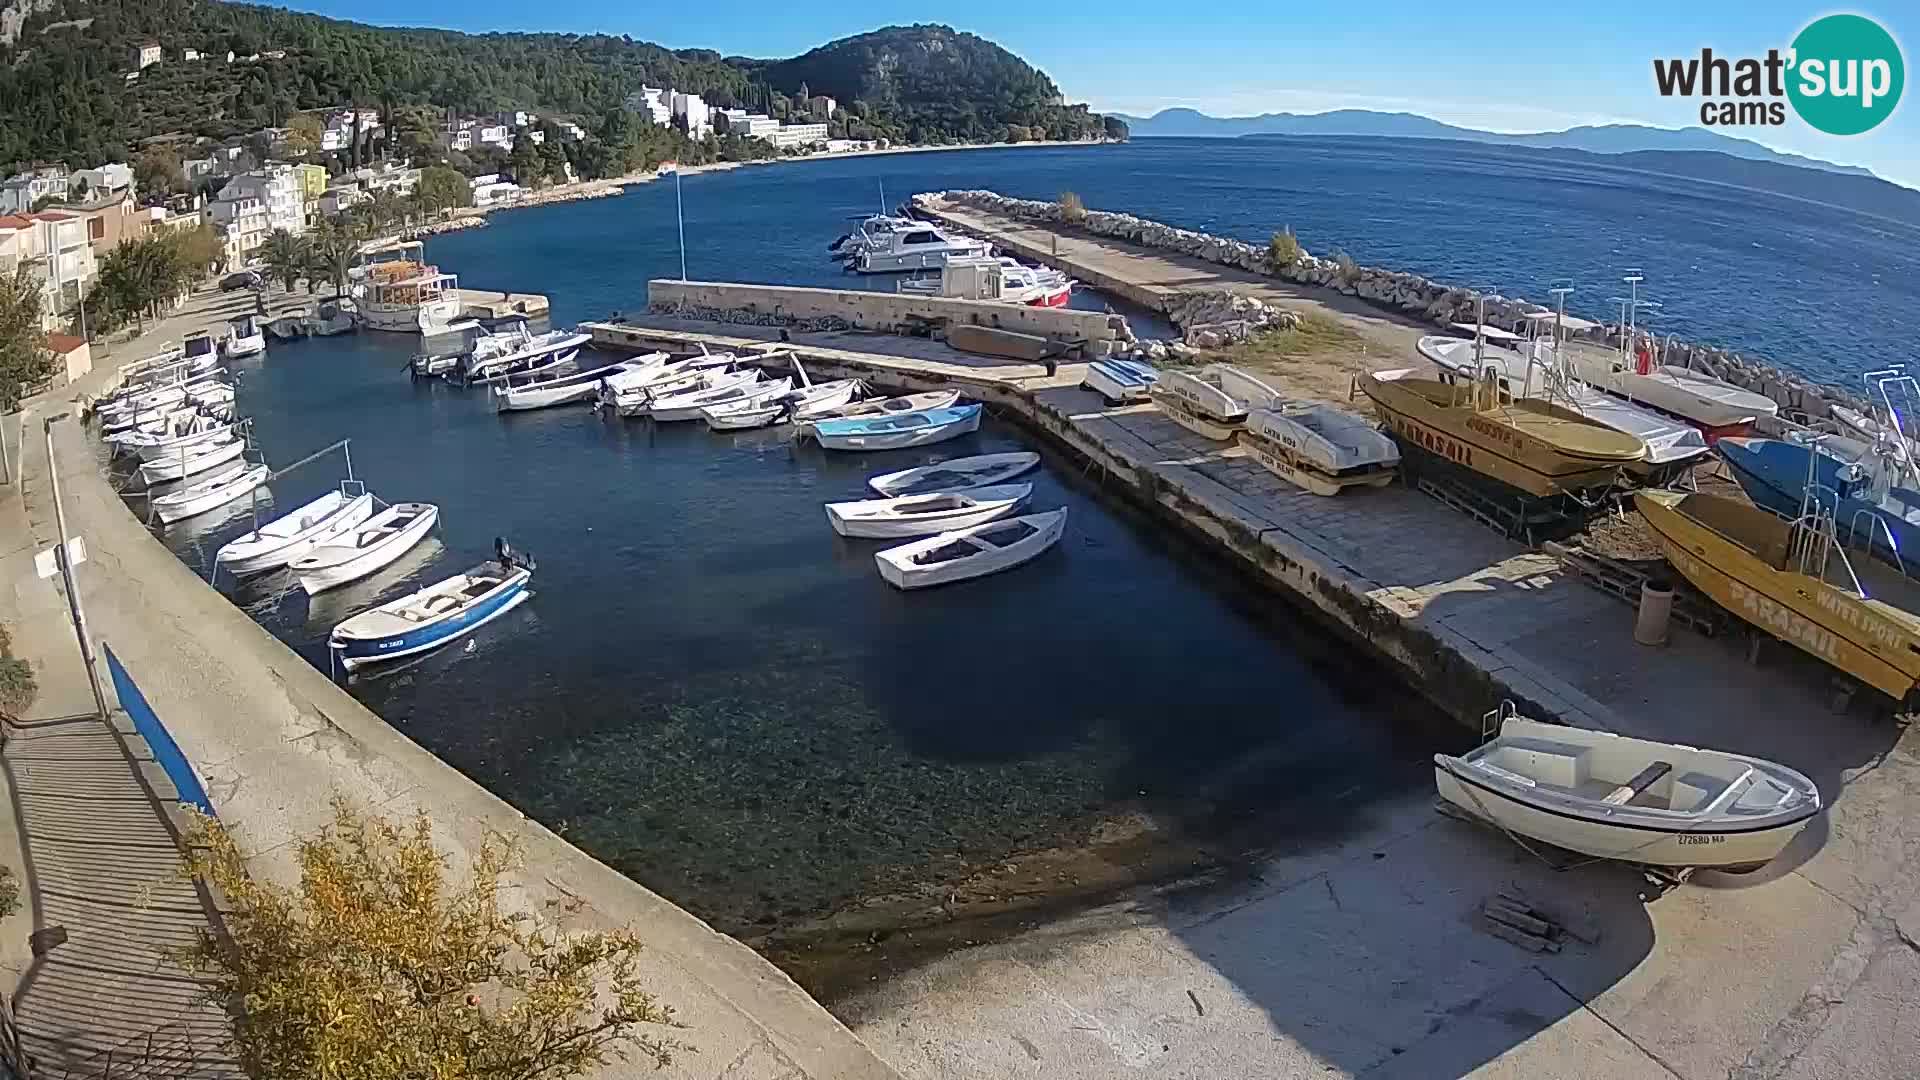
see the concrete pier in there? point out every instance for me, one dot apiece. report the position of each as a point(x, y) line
point(493, 304)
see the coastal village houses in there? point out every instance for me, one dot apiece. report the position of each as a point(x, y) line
point(55, 244)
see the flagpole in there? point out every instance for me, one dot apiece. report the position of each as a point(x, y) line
point(679, 214)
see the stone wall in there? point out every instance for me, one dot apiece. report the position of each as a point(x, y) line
point(1407, 293)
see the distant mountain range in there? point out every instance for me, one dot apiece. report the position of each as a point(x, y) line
point(1603, 139)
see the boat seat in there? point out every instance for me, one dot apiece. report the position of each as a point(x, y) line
point(1645, 779)
point(1544, 761)
point(1694, 790)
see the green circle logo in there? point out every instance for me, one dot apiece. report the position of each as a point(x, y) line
point(1847, 74)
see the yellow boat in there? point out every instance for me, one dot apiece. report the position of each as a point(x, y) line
point(1780, 576)
point(1535, 446)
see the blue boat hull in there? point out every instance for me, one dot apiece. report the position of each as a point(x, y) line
point(355, 652)
point(1773, 473)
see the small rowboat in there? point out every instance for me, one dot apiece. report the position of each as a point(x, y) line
point(970, 553)
point(957, 474)
point(1634, 800)
point(233, 482)
point(734, 387)
point(1120, 381)
point(924, 515)
point(1319, 447)
point(187, 460)
point(758, 405)
point(290, 536)
point(431, 617)
point(559, 389)
point(1212, 402)
point(923, 428)
point(797, 405)
point(932, 399)
point(384, 538)
point(629, 392)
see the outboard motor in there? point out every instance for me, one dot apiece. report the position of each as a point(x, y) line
point(508, 557)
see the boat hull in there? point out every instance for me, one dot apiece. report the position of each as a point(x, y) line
point(251, 345)
point(1774, 474)
point(896, 567)
point(180, 505)
point(927, 435)
point(241, 557)
point(429, 318)
point(1119, 382)
point(357, 652)
point(989, 504)
point(959, 474)
point(374, 558)
point(1303, 471)
point(202, 458)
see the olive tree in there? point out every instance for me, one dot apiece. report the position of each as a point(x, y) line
point(377, 966)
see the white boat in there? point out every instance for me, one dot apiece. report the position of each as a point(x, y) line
point(431, 617)
point(1633, 800)
point(383, 538)
point(235, 481)
point(244, 337)
point(190, 460)
point(1716, 406)
point(932, 399)
point(898, 432)
point(211, 394)
point(924, 515)
point(1002, 280)
point(183, 427)
point(956, 474)
point(1530, 370)
point(864, 235)
point(517, 351)
point(730, 386)
point(556, 390)
point(632, 392)
point(759, 410)
point(1318, 447)
point(168, 367)
point(330, 318)
point(916, 246)
point(404, 294)
point(290, 536)
point(1213, 401)
point(970, 553)
point(164, 360)
point(1120, 381)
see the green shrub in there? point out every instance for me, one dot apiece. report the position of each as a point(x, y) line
point(1072, 210)
point(17, 686)
point(1283, 250)
point(1344, 265)
point(9, 892)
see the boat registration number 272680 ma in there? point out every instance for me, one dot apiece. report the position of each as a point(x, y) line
point(1687, 840)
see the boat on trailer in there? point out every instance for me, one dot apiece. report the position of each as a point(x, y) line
point(1630, 800)
point(923, 515)
point(898, 432)
point(963, 554)
point(378, 542)
point(1320, 448)
point(431, 617)
point(1212, 402)
point(292, 535)
point(956, 474)
point(1120, 382)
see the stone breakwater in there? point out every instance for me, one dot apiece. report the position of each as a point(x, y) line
point(743, 317)
point(1407, 293)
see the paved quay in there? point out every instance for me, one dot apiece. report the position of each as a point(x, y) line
point(276, 741)
point(1360, 958)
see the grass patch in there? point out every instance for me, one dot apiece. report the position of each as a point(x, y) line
point(17, 685)
point(1317, 333)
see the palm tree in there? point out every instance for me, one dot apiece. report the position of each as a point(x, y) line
point(287, 257)
point(335, 242)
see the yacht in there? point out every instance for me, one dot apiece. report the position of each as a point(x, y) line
point(865, 234)
point(404, 294)
point(983, 277)
point(914, 246)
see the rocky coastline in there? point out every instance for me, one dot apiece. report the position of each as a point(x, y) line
point(1212, 318)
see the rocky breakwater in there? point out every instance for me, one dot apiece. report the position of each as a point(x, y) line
point(1410, 294)
point(1214, 319)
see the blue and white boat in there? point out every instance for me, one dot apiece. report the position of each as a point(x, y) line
point(1120, 381)
point(1874, 508)
point(922, 428)
point(433, 616)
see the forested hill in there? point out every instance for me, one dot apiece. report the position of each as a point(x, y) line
point(64, 94)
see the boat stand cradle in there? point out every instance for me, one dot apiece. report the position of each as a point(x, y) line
point(1519, 518)
point(1656, 881)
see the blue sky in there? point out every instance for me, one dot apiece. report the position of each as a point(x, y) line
point(1502, 64)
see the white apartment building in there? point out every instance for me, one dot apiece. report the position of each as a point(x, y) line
point(655, 103)
point(101, 179)
point(398, 179)
point(457, 140)
point(796, 135)
point(496, 135)
point(492, 189)
point(276, 188)
point(19, 193)
point(693, 114)
point(145, 55)
point(753, 125)
point(243, 222)
point(56, 244)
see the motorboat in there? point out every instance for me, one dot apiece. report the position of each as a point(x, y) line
point(915, 246)
point(181, 427)
point(972, 552)
point(558, 389)
point(517, 351)
point(1717, 407)
point(325, 319)
point(731, 386)
point(1794, 581)
point(767, 407)
point(1868, 488)
point(1535, 447)
point(985, 277)
point(1531, 370)
point(1631, 800)
point(1318, 447)
point(823, 399)
point(290, 536)
point(632, 392)
point(956, 474)
point(380, 540)
point(898, 432)
point(244, 337)
point(866, 234)
point(893, 406)
point(1120, 382)
point(431, 617)
point(400, 292)
point(1212, 402)
point(427, 365)
point(235, 481)
point(189, 460)
point(170, 366)
point(924, 515)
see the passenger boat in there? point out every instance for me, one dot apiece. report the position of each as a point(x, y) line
point(1631, 800)
point(235, 481)
point(1531, 370)
point(898, 432)
point(518, 351)
point(1212, 402)
point(924, 515)
point(970, 553)
point(893, 406)
point(291, 536)
point(431, 617)
point(1535, 447)
point(1871, 493)
point(1120, 381)
point(1318, 447)
point(188, 460)
point(984, 277)
point(382, 539)
point(760, 405)
point(404, 294)
point(1793, 581)
point(956, 474)
point(558, 389)
point(914, 246)
point(1716, 407)
point(722, 388)
point(244, 337)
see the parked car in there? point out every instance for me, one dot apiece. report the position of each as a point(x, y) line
point(245, 279)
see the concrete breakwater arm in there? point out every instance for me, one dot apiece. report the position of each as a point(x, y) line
point(277, 741)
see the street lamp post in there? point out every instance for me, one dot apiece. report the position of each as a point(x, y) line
point(66, 576)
